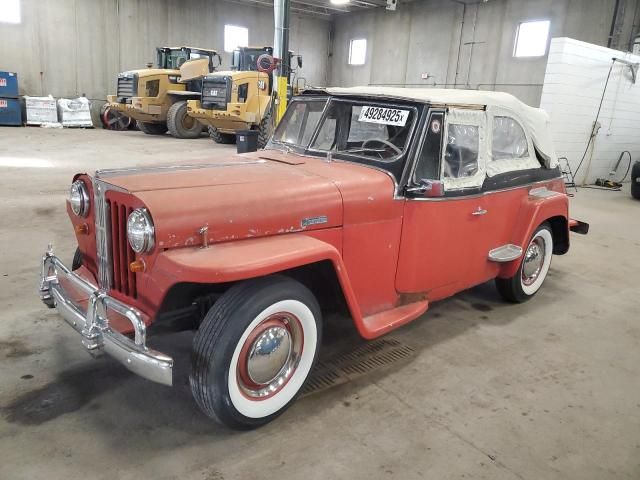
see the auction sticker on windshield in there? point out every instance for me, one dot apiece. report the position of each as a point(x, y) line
point(385, 116)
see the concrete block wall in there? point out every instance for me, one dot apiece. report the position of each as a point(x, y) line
point(574, 84)
point(438, 37)
point(69, 47)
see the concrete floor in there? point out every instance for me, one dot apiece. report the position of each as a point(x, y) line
point(545, 390)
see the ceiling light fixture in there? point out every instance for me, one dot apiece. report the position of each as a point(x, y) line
point(340, 2)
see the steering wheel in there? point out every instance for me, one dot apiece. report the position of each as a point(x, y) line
point(384, 142)
point(453, 162)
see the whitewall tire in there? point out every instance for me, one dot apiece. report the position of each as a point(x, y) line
point(255, 350)
point(534, 266)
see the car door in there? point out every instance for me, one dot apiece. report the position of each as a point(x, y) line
point(439, 251)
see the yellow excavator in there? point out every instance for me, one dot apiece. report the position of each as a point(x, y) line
point(241, 98)
point(157, 97)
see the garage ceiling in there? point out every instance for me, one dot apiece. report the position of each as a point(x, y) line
point(321, 8)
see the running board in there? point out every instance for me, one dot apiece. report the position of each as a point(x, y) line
point(505, 253)
point(383, 322)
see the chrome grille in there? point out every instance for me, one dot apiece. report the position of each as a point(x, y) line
point(103, 234)
point(114, 254)
point(127, 86)
point(214, 93)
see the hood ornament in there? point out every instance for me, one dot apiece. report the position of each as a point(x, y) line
point(204, 231)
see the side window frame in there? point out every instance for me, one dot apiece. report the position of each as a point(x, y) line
point(472, 117)
point(412, 180)
point(505, 165)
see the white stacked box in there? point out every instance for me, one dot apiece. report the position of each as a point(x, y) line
point(74, 112)
point(41, 110)
point(574, 82)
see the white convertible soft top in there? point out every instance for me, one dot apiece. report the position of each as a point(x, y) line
point(535, 120)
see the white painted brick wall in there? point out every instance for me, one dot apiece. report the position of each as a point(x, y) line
point(573, 85)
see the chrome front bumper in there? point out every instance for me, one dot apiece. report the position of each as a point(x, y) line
point(93, 324)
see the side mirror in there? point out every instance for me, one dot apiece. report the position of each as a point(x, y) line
point(299, 61)
point(427, 188)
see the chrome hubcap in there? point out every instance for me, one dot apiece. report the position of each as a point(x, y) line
point(533, 261)
point(270, 356)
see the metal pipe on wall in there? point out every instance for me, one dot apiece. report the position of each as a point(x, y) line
point(281, 15)
point(461, 42)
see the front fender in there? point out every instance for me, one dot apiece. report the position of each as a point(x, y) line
point(235, 261)
point(536, 211)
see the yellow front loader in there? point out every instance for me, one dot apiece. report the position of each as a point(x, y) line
point(156, 98)
point(238, 99)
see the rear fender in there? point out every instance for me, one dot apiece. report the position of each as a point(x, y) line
point(536, 211)
point(246, 259)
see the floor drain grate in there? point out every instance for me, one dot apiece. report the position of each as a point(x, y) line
point(342, 368)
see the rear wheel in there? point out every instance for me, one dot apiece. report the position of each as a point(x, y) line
point(635, 181)
point(219, 137)
point(153, 128)
point(254, 351)
point(534, 267)
point(180, 124)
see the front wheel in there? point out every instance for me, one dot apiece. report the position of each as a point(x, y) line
point(255, 350)
point(635, 181)
point(222, 138)
point(265, 130)
point(534, 267)
point(153, 128)
point(180, 124)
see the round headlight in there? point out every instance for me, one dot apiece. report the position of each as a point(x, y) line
point(140, 230)
point(79, 198)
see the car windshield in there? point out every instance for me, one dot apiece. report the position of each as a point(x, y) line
point(368, 130)
point(299, 123)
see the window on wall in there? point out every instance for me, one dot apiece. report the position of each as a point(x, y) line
point(531, 39)
point(235, 37)
point(357, 51)
point(10, 11)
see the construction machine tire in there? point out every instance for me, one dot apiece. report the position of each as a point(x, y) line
point(265, 130)
point(180, 124)
point(219, 137)
point(153, 128)
point(635, 181)
point(114, 120)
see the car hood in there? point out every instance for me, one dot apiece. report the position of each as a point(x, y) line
point(242, 196)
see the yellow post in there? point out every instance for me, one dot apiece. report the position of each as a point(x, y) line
point(282, 83)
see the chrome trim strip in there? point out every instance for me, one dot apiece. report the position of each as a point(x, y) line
point(103, 234)
point(114, 172)
point(93, 325)
point(543, 192)
point(482, 194)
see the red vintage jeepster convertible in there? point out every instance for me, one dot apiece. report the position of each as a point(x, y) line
point(383, 199)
